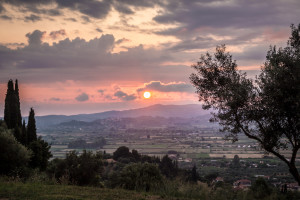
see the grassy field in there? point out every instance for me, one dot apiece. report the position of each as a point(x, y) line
point(35, 191)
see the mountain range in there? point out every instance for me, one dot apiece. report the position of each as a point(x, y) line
point(157, 110)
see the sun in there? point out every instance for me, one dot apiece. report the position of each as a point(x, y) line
point(147, 95)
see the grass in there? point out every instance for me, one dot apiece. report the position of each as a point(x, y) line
point(38, 191)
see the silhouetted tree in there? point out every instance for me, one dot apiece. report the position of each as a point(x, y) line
point(31, 127)
point(194, 174)
point(235, 162)
point(122, 152)
point(11, 107)
point(24, 137)
point(41, 154)
point(267, 111)
point(18, 114)
point(167, 167)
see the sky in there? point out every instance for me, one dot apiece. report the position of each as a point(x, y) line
point(88, 56)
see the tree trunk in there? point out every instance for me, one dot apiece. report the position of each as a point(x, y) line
point(293, 170)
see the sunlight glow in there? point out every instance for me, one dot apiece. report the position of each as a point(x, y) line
point(147, 95)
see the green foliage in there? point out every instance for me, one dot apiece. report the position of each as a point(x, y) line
point(138, 176)
point(260, 189)
point(122, 152)
point(168, 167)
point(41, 154)
point(235, 162)
point(85, 169)
point(13, 155)
point(267, 111)
point(39, 191)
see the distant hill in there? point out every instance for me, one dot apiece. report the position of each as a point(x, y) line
point(158, 110)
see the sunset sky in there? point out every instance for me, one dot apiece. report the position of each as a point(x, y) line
point(88, 56)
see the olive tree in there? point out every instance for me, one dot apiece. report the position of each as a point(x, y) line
point(266, 109)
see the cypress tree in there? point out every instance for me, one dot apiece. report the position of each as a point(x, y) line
point(31, 127)
point(24, 134)
point(10, 108)
point(18, 113)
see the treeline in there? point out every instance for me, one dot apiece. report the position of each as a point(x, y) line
point(131, 170)
point(82, 144)
point(20, 141)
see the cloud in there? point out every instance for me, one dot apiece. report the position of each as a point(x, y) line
point(86, 19)
point(101, 91)
point(56, 34)
point(54, 12)
point(122, 40)
point(167, 87)
point(1, 8)
point(33, 18)
point(99, 30)
point(123, 96)
point(82, 97)
point(91, 8)
point(5, 17)
point(83, 60)
point(35, 38)
point(55, 99)
point(71, 19)
point(124, 9)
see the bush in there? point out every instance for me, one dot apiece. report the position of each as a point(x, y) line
point(85, 169)
point(138, 176)
point(14, 157)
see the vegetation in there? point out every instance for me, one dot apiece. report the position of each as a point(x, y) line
point(25, 141)
point(268, 110)
point(14, 157)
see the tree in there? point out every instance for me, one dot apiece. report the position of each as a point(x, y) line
point(11, 107)
point(31, 127)
point(41, 154)
point(122, 152)
point(24, 134)
point(140, 177)
point(236, 162)
point(18, 113)
point(13, 155)
point(167, 167)
point(267, 110)
point(82, 170)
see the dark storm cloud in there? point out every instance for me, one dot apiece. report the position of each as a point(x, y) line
point(82, 97)
point(124, 96)
point(32, 18)
point(167, 87)
point(56, 34)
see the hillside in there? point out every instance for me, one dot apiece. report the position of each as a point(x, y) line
point(158, 110)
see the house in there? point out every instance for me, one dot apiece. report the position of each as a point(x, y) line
point(242, 184)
